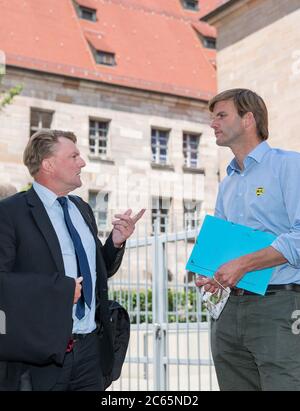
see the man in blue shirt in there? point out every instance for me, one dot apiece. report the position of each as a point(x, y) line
point(254, 343)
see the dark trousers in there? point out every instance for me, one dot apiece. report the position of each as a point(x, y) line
point(81, 369)
point(254, 343)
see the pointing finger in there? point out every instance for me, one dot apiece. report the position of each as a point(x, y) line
point(138, 215)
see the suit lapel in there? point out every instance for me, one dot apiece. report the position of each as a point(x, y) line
point(44, 224)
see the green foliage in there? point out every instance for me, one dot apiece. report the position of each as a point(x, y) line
point(182, 305)
point(9, 95)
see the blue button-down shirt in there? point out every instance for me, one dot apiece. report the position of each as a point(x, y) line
point(55, 212)
point(265, 195)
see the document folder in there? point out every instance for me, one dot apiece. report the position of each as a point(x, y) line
point(220, 241)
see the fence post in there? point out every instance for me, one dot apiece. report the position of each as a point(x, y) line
point(159, 308)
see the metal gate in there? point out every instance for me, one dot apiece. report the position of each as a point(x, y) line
point(170, 334)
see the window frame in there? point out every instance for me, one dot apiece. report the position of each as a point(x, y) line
point(191, 218)
point(192, 7)
point(98, 138)
point(105, 58)
point(157, 147)
point(188, 150)
point(160, 213)
point(207, 42)
point(102, 224)
point(84, 9)
point(33, 129)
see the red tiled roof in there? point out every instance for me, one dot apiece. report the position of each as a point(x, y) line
point(206, 7)
point(98, 41)
point(154, 42)
point(91, 4)
point(205, 29)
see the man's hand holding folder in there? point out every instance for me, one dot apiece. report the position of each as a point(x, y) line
point(232, 254)
point(229, 274)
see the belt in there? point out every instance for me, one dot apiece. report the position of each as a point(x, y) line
point(272, 289)
point(76, 337)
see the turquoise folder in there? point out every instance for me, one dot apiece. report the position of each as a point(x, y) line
point(220, 241)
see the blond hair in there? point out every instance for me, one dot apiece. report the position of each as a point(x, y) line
point(246, 101)
point(41, 145)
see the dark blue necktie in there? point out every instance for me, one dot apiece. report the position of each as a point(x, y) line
point(82, 262)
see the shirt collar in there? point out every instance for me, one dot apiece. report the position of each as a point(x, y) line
point(256, 154)
point(47, 196)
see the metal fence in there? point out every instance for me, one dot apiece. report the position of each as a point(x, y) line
point(170, 334)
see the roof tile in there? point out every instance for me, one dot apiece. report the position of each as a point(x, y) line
point(154, 41)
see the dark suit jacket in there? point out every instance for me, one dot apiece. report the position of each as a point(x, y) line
point(37, 297)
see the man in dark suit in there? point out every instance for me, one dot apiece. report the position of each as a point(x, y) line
point(53, 276)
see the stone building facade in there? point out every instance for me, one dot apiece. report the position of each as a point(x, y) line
point(258, 48)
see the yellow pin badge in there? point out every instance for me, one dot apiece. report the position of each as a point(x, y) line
point(260, 191)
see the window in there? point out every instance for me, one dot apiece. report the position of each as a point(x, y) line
point(103, 57)
point(191, 213)
point(98, 137)
point(87, 14)
point(160, 211)
point(40, 119)
point(190, 149)
point(99, 204)
point(209, 42)
point(159, 145)
point(191, 4)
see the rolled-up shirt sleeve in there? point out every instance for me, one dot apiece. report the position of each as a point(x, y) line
point(288, 244)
